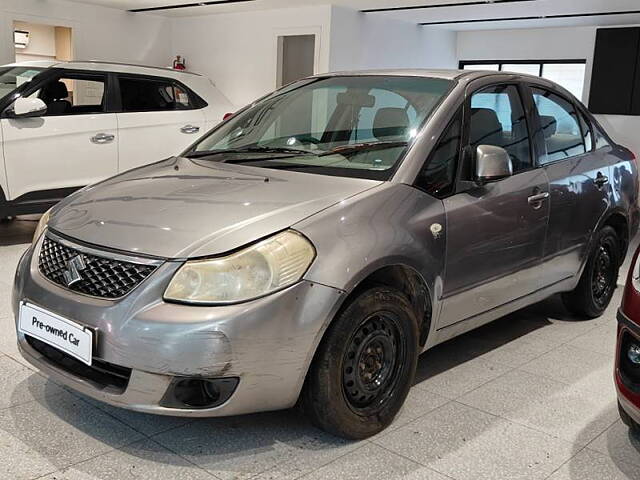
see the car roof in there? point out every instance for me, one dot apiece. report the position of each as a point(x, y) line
point(453, 75)
point(106, 67)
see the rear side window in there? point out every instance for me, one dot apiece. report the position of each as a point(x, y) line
point(438, 174)
point(561, 126)
point(151, 95)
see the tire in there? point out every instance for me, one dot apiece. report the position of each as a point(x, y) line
point(599, 279)
point(364, 366)
point(627, 420)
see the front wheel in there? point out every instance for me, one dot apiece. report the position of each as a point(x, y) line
point(364, 366)
point(598, 281)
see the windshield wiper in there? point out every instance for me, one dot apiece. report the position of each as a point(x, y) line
point(363, 147)
point(252, 149)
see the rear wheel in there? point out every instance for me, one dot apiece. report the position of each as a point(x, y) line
point(598, 281)
point(365, 365)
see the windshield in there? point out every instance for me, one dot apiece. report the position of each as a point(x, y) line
point(13, 77)
point(356, 126)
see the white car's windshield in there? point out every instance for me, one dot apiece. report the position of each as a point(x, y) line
point(348, 125)
point(13, 77)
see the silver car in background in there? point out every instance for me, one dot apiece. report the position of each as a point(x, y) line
point(309, 248)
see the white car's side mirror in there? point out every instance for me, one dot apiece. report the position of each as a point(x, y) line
point(26, 108)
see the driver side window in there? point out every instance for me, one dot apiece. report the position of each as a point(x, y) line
point(498, 119)
point(75, 94)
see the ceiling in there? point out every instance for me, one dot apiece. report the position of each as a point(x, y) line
point(433, 13)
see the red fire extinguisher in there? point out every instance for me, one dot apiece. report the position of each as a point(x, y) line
point(179, 63)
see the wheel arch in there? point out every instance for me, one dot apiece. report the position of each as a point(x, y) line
point(619, 221)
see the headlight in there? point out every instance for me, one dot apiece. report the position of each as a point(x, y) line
point(42, 225)
point(263, 268)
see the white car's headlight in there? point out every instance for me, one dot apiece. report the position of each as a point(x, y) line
point(255, 271)
point(42, 225)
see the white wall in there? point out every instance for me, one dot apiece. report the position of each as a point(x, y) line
point(238, 51)
point(42, 42)
point(548, 44)
point(98, 32)
point(370, 41)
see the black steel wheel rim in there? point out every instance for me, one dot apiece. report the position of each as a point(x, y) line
point(372, 364)
point(603, 275)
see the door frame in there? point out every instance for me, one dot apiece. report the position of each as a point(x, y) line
point(467, 156)
point(316, 31)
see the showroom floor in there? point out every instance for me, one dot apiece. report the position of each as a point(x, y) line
point(527, 397)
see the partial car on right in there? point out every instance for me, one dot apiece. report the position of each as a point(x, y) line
point(627, 369)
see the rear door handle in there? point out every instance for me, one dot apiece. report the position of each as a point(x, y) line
point(601, 180)
point(190, 129)
point(536, 200)
point(101, 138)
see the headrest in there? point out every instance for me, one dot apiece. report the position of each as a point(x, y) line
point(484, 125)
point(55, 91)
point(549, 125)
point(390, 122)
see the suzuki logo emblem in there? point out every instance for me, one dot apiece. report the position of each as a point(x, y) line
point(74, 266)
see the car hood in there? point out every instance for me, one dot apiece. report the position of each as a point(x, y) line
point(181, 208)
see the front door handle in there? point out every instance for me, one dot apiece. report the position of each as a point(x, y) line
point(190, 129)
point(537, 199)
point(101, 138)
point(601, 180)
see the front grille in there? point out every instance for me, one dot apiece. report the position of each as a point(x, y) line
point(100, 277)
point(101, 374)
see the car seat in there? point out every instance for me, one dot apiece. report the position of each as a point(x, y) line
point(54, 95)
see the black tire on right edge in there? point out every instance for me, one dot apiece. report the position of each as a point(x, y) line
point(599, 279)
point(364, 366)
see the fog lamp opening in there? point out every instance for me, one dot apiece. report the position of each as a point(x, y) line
point(198, 393)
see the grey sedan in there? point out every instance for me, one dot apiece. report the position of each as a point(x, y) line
point(310, 247)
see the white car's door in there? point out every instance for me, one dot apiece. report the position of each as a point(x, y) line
point(74, 144)
point(159, 118)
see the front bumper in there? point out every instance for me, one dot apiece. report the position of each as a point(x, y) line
point(628, 390)
point(267, 343)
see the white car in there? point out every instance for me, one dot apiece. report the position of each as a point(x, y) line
point(67, 125)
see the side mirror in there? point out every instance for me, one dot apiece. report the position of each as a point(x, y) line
point(492, 163)
point(26, 108)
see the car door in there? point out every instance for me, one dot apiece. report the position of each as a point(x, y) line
point(159, 118)
point(578, 181)
point(495, 232)
point(72, 145)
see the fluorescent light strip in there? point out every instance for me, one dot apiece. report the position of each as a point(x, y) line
point(442, 5)
point(188, 5)
point(537, 17)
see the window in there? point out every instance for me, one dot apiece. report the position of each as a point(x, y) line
point(585, 127)
point(390, 102)
point(73, 95)
point(147, 95)
point(438, 174)
point(13, 77)
point(568, 73)
point(498, 118)
point(357, 126)
point(561, 127)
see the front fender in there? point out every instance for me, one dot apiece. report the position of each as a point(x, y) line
point(394, 224)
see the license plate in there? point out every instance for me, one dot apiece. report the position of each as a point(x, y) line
point(65, 335)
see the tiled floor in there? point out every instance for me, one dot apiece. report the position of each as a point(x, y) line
point(527, 397)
